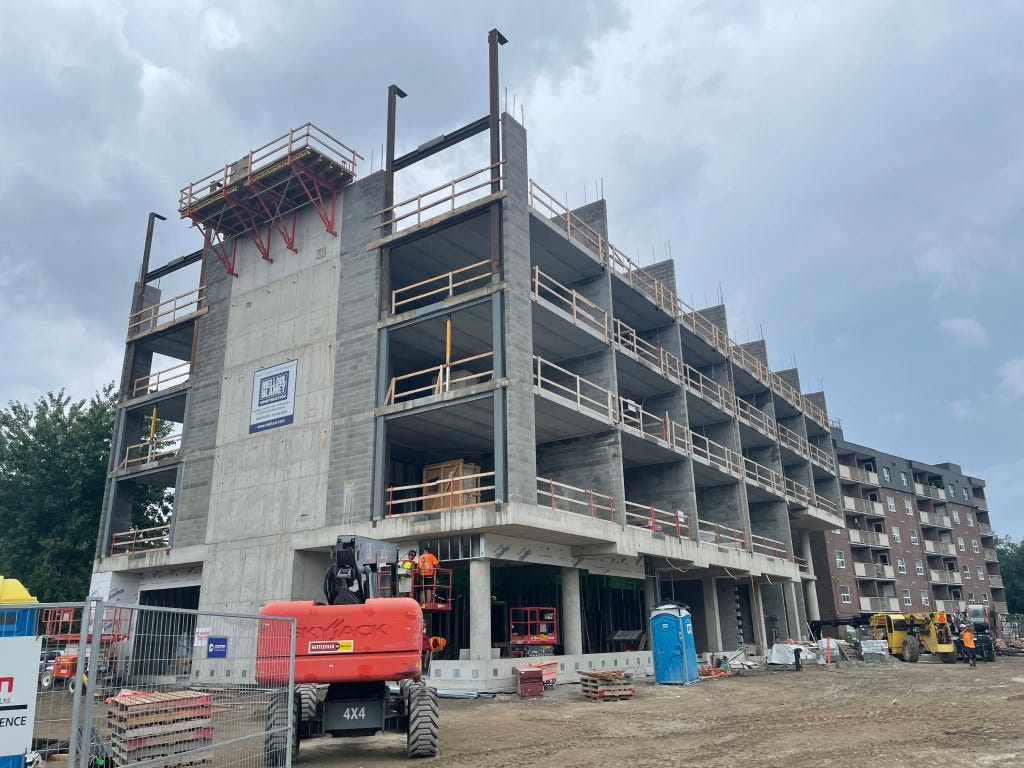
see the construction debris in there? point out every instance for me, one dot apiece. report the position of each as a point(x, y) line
point(607, 685)
point(1013, 647)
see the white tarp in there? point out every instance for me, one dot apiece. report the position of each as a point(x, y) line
point(782, 653)
point(828, 651)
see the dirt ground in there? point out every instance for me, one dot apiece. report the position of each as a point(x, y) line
point(924, 714)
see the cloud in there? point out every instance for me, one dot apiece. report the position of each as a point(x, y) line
point(966, 331)
point(962, 410)
point(1011, 378)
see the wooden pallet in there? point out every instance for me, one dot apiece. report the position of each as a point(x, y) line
point(607, 685)
point(173, 728)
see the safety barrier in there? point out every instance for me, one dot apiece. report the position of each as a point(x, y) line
point(442, 286)
point(579, 501)
point(154, 382)
point(657, 520)
point(582, 310)
point(721, 535)
point(437, 379)
point(140, 540)
point(568, 386)
point(166, 312)
point(449, 195)
point(154, 449)
point(445, 494)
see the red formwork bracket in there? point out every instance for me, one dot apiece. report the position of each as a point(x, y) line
point(272, 203)
point(216, 242)
point(315, 189)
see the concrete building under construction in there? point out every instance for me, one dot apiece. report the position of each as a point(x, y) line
point(478, 368)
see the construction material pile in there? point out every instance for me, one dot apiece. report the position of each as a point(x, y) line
point(607, 685)
point(1012, 647)
point(176, 727)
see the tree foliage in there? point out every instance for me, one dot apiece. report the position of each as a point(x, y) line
point(1011, 566)
point(53, 466)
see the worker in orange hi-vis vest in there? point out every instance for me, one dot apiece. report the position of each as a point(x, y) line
point(426, 563)
point(967, 638)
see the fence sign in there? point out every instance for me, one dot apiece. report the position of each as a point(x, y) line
point(19, 677)
point(273, 397)
point(217, 648)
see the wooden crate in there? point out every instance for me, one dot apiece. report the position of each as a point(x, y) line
point(447, 485)
point(607, 685)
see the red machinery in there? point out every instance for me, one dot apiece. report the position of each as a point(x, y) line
point(355, 644)
point(533, 631)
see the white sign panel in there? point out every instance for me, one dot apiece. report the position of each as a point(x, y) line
point(273, 397)
point(19, 676)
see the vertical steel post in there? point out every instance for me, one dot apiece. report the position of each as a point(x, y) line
point(291, 690)
point(85, 726)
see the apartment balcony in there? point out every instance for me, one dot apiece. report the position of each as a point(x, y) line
point(658, 521)
point(991, 555)
point(721, 536)
point(756, 419)
point(571, 305)
point(787, 392)
point(158, 381)
point(140, 540)
point(857, 475)
point(578, 501)
point(658, 358)
point(946, 577)
point(930, 491)
point(816, 414)
point(822, 458)
point(950, 606)
point(794, 442)
point(995, 581)
point(572, 390)
point(874, 571)
point(868, 538)
point(443, 287)
point(708, 390)
point(981, 504)
point(879, 604)
point(168, 313)
point(999, 607)
point(939, 548)
point(863, 506)
point(934, 519)
point(751, 364)
point(985, 529)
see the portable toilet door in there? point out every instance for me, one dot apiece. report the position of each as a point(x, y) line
point(667, 645)
point(691, 669)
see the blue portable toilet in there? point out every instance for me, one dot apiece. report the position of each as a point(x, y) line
point(675, 655)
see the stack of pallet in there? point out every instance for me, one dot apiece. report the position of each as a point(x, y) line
point(607, 685)
point(173, 728)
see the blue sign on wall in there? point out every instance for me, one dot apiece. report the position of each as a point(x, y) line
point(217, 648)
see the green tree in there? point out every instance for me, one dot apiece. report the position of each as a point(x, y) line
point(53, 467)
point(1011, 566)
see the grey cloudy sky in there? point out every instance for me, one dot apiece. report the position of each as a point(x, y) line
point(848, 175)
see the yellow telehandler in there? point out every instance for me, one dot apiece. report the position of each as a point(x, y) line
point(908, 635)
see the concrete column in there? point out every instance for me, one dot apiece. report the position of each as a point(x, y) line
point(810, 585)
point(650, 596)
point(711, 615)
point(757, 618)
point(480, 608)
point(572, 614)
point(796, 629)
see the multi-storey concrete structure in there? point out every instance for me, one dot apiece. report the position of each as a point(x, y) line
point(477, 367)
point(918, 538)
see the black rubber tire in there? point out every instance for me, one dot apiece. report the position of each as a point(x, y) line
point(275, 743)
point(308, 699)
point(911, 649)
point(424, 735)
point(948, 658)
point(72, 683)
point(46, 681)
point(990, 653)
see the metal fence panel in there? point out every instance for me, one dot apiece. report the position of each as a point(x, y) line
point(160, 686)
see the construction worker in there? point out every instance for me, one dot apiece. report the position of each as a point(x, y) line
point(426, 563)
point(405, 568)
point(967, 639)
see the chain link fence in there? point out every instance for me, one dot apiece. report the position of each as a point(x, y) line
point(132, 686)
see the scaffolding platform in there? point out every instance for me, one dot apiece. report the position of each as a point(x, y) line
point(261, 192)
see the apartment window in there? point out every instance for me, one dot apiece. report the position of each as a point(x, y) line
point(901, 565)
point(895, 533)
point(960, 544)
point(886, 475)
point(890, 502)
point(970, 520)
point(840, 559)
point(913, 535)
point(919, 567)
point(951, 492)
point(908, 505)
point(956, 516)
point(970, 597)
point(844, 595)
point(984, 598)
point(925, 600)
point(903, 480)
point(974, 546)
point(906, 597)
point(888, 590)
point(868, 466)
point(981, 573)
point(966, 495)
point(967, 573)
point(957, 594)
